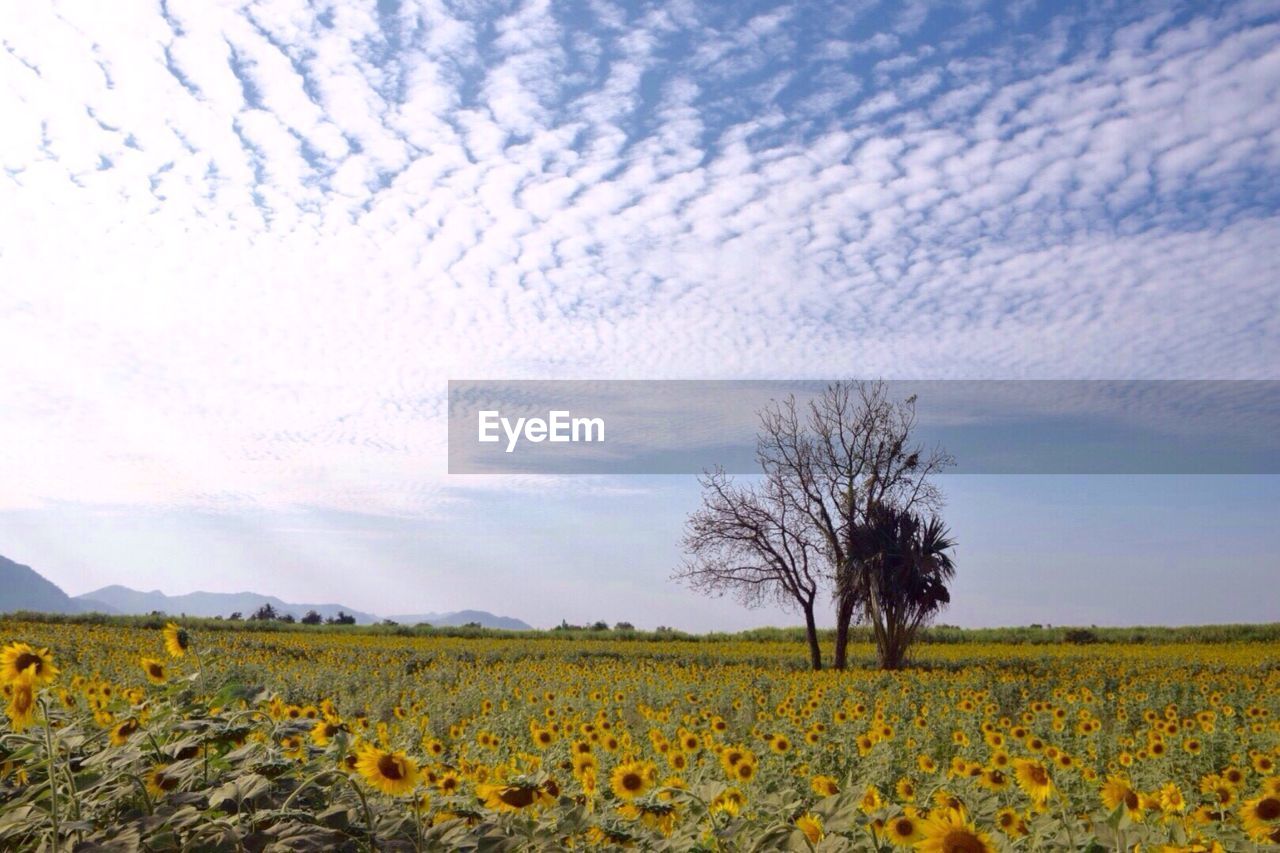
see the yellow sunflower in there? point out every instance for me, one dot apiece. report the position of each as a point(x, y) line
point(587, 779)
point(1222, 792)
point(1034, 779)
point(1011, 823)
point(825, 786)
point(949, 832)
point(176, 639)
point(994, 779)
point(904, 830)
point(154, 670)
point(1171, 799)
point(729, 801)
point(516, 796)
point(583, 762)
point(159, 782)
point(1119, 790)
point(811, 826)
point(18, 658)
point(660, 816)
point(22, 700)
point(326, 730)
point(449, 782)
point(122, 731)
point(1261, 816)
point(730, 756)
point(632, 779)
point(392, 773)
point(293, 746)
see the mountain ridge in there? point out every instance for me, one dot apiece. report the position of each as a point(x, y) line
point(201, 603)
point(23, 588)
point(458, 618)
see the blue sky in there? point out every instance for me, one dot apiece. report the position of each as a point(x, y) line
point(243, 247)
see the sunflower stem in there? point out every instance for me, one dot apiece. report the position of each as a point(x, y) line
point(416, 817)
point(146, 795)
point(75, 800)
point(204, 691)
point(155, 746)
point(1066, 821)
point(51, 770)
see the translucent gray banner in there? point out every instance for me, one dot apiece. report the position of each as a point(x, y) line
point(559, 427)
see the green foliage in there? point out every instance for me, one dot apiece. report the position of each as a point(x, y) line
point(938, 634)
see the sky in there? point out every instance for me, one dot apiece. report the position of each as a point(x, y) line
point(244, 247)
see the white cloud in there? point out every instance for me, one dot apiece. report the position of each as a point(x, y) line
point(245, 247)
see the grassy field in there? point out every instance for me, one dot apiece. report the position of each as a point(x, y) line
point(395, 737)
point(941, 634)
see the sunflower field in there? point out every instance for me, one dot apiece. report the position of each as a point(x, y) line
point(120, 737)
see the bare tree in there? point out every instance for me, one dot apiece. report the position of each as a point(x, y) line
point(832, 463)
point(754, 543)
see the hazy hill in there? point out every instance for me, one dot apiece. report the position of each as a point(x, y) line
point(126, 600)
point(464, 617)
point(22, 588)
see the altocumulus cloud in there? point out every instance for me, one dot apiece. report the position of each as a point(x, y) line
point(242, 246)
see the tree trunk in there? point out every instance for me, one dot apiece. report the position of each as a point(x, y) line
point(887, 650)
point(811, 631)
point(894, 652)
point(844, 618)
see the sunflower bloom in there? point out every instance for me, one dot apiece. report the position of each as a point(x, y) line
point(1011, 823)
point(729, 801)
point(18, 658)
point(516, 796)
point(176, 640)
point(392, 773)
point(326, 730)
point(1171, 799)
point(160, 782)
point(1117, 791)
point(22, 700)
point(154, 671)
point(730, 757)
point(950, 832)
point(904, 830)
point(1261, 817)
point(1034, 779)
point(811, 826)
point(122, 731)
point(825, 786)
point(871, 800)
point(660, 816)
point(633, 779)
point(449, 782)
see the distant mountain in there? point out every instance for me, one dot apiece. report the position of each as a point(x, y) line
point(22, 588)
point(92, 605)
point(464, 617)
point(125, 600)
